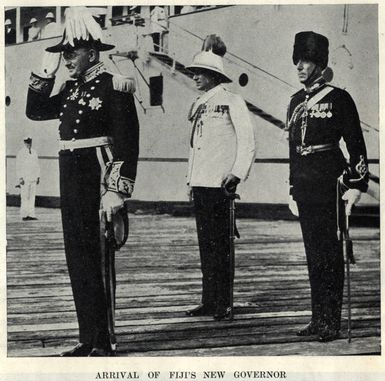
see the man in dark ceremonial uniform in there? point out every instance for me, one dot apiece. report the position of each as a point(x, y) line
point(9, 33)
point(318, 116)
point(98, 144)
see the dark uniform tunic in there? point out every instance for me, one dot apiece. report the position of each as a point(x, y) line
point(316, 163)
point(89, 107)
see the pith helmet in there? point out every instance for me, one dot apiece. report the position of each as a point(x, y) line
point(8, 22)
point(209, 61)
point(49, 15)
point(311, 46)
point(32, 20)
point(210, 58)
point(89, 34)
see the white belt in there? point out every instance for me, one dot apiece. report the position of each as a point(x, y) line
point(84, 143)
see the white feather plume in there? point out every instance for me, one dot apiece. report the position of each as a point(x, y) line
point(80, 24)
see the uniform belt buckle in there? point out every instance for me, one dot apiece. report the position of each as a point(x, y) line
point(304, 151)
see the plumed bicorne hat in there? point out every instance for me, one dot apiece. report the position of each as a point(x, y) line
point(81, 30)
point(312, 47)
point(210, 58)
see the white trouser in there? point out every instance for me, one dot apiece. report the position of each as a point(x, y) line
point(28, 193)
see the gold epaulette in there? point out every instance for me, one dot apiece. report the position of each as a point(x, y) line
point(123, 83)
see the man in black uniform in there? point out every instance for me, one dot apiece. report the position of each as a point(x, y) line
point(99, 143)
point(318, 116)
point(9, 33)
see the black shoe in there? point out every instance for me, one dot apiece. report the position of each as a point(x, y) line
point(310, 329)
point(32, 218)
point(25, 218)
point(201, 310)
point(81, 350)
point(100, 352)
point(222, 314)
point(328, 334)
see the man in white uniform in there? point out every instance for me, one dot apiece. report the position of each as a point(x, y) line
point(34, 31)
point(51, 29)
point(158, 26)
point(222, 152)
point(28, 173)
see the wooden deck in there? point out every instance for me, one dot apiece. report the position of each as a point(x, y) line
point(159, 278)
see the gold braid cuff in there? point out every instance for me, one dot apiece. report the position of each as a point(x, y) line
point(117, 183)
point(41, 85)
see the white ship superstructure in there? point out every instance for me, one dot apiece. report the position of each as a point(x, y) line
point(259, 40)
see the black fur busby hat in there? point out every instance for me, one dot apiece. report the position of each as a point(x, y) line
point(311, 46)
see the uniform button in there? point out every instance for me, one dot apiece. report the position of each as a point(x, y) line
point(80, 111)
point(64, 105)
point(77, 121)
point(97, 81)
point(61, 114)
point(73, 139)
point(92, 87)
point(88, 95)
point(76, 131)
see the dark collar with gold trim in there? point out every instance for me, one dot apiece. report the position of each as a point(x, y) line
point(318, 84)
point(93, 72)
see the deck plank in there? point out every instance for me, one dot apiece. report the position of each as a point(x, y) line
point(158, 274)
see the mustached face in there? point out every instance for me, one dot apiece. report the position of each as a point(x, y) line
point(77, 61)
point(205, 80)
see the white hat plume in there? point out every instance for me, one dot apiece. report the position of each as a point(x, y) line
point(80, 24)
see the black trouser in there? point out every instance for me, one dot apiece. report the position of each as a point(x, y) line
point(213, 227)
point(325, 262)
point(80, 198)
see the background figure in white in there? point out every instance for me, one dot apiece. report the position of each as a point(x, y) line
point(34, 30)
point(28, 173)
point(158, 26)
point(51, 29)
point(188, 9)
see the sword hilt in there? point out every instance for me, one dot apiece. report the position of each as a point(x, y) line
point(231, 195)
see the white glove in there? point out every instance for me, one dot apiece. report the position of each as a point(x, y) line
point(352, 196)
point(293, 206)
point(50, 64)
point(111, 203)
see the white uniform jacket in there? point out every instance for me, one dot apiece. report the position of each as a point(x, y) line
point(27, 165)
point(51, 30)
point(158, 20)
point(222, 138)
